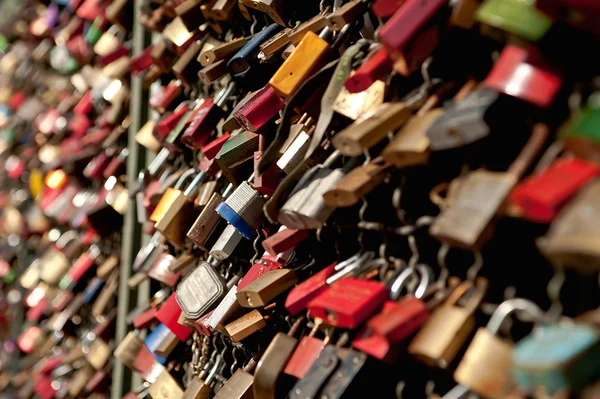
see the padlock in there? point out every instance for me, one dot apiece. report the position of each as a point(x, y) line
point(265, 183)
point(239, 386)
point(487, 348)
point(222, 10)
point(80, 269)
point(246, 57)
point(221, 52)
point(410, 146)
point(207, 222)
point(519, 18)
point(274, 8)
point(245, 326)
point(481, 194)
point(557, 358)
point(386, 8)
point(200, 291)
point(370, 129)
point(284, 240)
point(190, 14)
point(306, 353)
point(211, 149)
point(541, 196)
point(264, 289)
point(412, 33)
point(276, 43)
point(213, 72)
point(177, 32)
point(259, 109)
point(178, 218)
point(346, 14)
point(295, 150)
point(165, 387)
point(376, 67)
point(163, 57)
point(243, 210)
point(226, 243)
point(348, 302)
point(447, 329)
point(273, 361)
point(357, 184)
point(302, 62)
point(186, 67)
point(463, 13)
point(305, 207)
point(225, 311)
point(539, 86)
point(570, 241)
point(318, 374)
point(169, 314)
point(160, 270)
point(204, 120)
point(235, 153)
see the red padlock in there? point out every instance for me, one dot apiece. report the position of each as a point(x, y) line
point(398, 320)
point(142, 61)
point(27, 339)
point(209, 166)
point(78, 125)
point(146, 318)
point(111, 57)
point(263, 106)
point(268, 181)
point(376, 345)
point(306, 353)
point(211, 149)
point(203, 123)
point(92, 9)
point(43, 387)
point(386, 8)
point(202, 325)
point(36, 312)
point(161, 101)
point(540, 197)
point(408, 36)
point(283, 240)
point(301, 295)
point(523, 74)
point(117, 166)
point(84, 106)
point(96, 166)
point(375, 68)
point(169, 314)
point(348, 302)
point(46, 122)
point(16, 100)
point(168, 122)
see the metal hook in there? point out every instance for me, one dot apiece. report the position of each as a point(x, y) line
point(254, 23)
point(473, 271)
point(412, 244)
point(441, 259)
point(361, 216)
point(553, 290)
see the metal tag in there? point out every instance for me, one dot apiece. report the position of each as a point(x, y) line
point(200, 291)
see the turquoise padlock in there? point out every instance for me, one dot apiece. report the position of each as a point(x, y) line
point(557, 358)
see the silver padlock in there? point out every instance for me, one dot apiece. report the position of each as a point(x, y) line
point(200, 291)
point(306, 208)
point(226, 244)
point(227, 308)
point(244, 209)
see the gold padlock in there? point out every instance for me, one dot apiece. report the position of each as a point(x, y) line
point(447, 329)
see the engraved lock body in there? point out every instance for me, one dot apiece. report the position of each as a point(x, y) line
point(245, 326)
point(206, 223)
point(178, 218)
point(480, 194)
point(412, 33)
point(273, 362)
point(259, 109)
point(557, 358)
point(487, 349)
point(348, 302)
point(447, 329)
point(160, 270)
point(540, 197)
point(264, 289)
point(257, 270)
point(299, 65)
point(571, 239)
point(519, 18)
point(370, 129)
point(200, 291)
point(539, 87)
point(244, 210)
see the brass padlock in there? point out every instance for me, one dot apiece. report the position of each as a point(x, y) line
point(447, 329)
point(486, 367)
point(221, 52)
point(264, 289)
point(165, 387)
point(245, 326)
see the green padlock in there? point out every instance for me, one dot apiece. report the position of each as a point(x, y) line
point(95, 31)
point(519, 17)
point(582, 135)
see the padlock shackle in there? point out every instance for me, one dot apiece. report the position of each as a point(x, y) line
point(510, 306)
point(198, 180)
point(183, 178)
point(353, 266)
point(66, 238)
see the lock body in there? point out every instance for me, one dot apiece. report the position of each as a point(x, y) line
point(264, 289)
point(272, 364)
point(200, 291)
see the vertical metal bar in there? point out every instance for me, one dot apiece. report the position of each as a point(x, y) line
point(132, 231)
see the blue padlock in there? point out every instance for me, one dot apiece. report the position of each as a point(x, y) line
point(154, 339)
point(243, 209)
point(558, 358)
point(242, 61)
